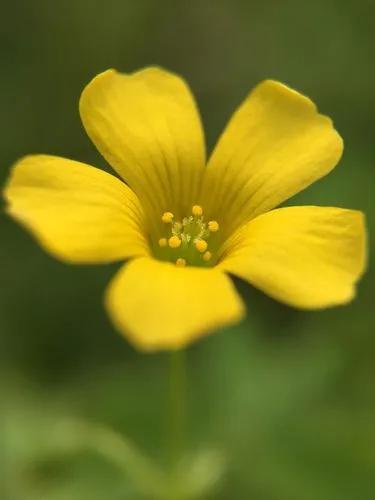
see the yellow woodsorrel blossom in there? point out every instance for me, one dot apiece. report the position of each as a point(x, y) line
point(182, 224)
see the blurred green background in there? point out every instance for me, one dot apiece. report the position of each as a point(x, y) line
point(288, 396)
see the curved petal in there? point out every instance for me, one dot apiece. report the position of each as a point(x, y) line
point(147, 126)
point(275, 145)
point(307, 257)
point(160, 306)
point(77, 212)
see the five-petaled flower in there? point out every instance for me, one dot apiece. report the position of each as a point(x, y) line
point(182, 225)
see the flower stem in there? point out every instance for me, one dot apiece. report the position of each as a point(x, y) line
point(177, 405)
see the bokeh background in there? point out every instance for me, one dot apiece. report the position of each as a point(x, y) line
point(287, 396)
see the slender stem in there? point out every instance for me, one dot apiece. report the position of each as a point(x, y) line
point(177, 404)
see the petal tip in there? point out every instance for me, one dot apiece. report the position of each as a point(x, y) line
point(95, 81)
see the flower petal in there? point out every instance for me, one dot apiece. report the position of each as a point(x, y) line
point(147, 126)
point(77, 212)
point(307, 257)
point(158, 305)
point(275, 145)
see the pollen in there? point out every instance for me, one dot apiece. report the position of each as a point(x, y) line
point(180, 262)
point(213, 226)
point(201, 245)
point(167, 217)
point(163, 242)
point(207, 256)
point(174, 241)
point(197, 210)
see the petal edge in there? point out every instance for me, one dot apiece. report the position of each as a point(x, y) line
point(147, 126)
point(307, 257)
point(275, 145)
point(78, 213)
point(157, 305)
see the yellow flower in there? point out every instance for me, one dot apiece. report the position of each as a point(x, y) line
point(182, 225)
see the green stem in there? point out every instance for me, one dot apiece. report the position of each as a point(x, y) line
point(177, 405)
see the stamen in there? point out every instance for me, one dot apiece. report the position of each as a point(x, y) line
point(176, 228)
point(213, 226)
point(188, 238)
point(174, 242)
point(187, 220)
point(197, 210)
point(201, 245)
point(167, 217)
point(207, 256)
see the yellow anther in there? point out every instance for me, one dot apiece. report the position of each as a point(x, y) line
point(163, 242)
point(197, 210)
point(213, 226)
point(174, 242)
point(167, 217)
point(207, 256)
point(180, 262)
point(201, 245)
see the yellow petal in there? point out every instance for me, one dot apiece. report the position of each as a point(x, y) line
point(275, 145)
point(159, 305)
point(77, 212)
point(307, 257)
point(147, 126)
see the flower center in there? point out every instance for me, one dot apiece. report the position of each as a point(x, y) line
point(190, 241)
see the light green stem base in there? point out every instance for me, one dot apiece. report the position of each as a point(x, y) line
point(177, 421)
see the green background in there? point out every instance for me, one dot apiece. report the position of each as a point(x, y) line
point(287, 396)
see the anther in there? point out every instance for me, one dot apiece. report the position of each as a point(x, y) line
point(174, 242)
point(180, 262)
point(163, 242)
point(167, 217)
point(201, 245)
point(197, 210)
point(213, 226)
point(207, 256)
